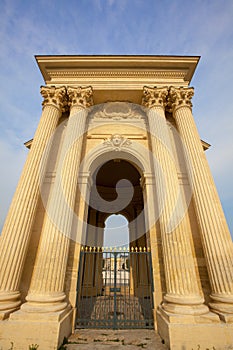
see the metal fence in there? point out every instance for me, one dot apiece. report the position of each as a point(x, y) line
point(114, 289)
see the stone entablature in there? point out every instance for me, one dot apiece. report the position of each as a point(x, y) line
point(112, 76)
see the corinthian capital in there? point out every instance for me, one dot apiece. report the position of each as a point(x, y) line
point(153, 97)
point(79, 96)
point(54, 95)
point(180, 97)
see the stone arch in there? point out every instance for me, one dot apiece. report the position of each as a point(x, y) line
point(135, 154)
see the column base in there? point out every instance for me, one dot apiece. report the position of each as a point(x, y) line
point(185, 309)
point(44, 303)
point(9, 302)
point(184, 305)
point(47, 330)
point(223, 306)
point(193, 332)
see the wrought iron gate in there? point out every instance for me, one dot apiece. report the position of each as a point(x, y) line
point(114, 289)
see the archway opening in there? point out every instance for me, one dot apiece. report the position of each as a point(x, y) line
point(116, 231)
point(115, 289)
point(116, 193)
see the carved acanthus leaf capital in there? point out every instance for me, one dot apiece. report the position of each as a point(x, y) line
point(154, 97)
point(180, 97)
point(54, 95)
point(80, 96)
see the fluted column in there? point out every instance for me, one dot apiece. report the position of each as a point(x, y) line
point(183, 293)
point(17, 229)
point(216, 239)
point(47, 286)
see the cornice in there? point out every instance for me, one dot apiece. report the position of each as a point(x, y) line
point(121, 61)
point(144, 69)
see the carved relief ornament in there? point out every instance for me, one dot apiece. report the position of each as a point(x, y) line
point(54, 95)
point(116, 142)
point(153, 97)
point(117, 111)
point(80, 96)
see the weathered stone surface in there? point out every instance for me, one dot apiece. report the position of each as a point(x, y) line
point(119, 339)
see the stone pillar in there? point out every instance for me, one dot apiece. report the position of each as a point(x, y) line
point(216, 239)
point(78, 237)
point(17, 229)
point(154, 240)
point(46, 292)
point(183, 293)
point(132, 257)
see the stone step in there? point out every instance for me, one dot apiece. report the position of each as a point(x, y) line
point(92, 339)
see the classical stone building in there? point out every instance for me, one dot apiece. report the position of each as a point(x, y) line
point(116, 136)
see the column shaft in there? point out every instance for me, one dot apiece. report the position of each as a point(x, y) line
point(17, 229)
point(47, 286)
point(181, 279)
point(217, 243)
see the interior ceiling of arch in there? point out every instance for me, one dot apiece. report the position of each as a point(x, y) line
point(105, 180)
point(114, 170)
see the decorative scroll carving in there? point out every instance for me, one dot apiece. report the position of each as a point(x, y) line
point(117, 141)
point(118, 111)
point(154, 96)
point(80, 96)
point(54, 95)
point(180, 97)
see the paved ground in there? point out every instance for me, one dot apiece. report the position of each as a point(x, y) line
point(92, 339)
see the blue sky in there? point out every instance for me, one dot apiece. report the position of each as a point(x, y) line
point(154, 27)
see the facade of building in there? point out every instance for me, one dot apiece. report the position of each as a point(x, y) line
point(116, 136)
